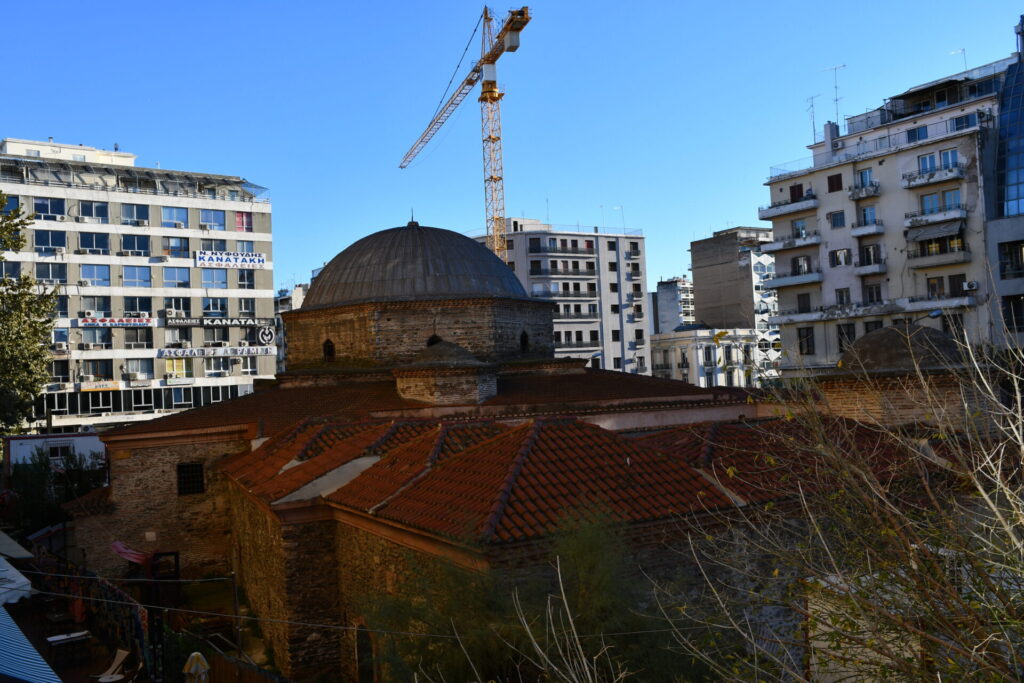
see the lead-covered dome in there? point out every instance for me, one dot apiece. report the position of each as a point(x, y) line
point(414, 263)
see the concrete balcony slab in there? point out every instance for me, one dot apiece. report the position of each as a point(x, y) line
point(768, 212)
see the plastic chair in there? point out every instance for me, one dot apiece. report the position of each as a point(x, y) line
point(115, 666)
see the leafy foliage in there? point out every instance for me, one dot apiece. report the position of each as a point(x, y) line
point(43, 484)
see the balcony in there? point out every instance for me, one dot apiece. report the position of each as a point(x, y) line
point(555, 249)
point(576, 316)
point(639, 343)
point(794, 242)
point(938, 175)
point(867, 229)
point(917, 304)
point(794, 279)
point(570, 344)
point(924, 259)
point(952, 212)
point(562, 272)
point(872, 189)
point(875, 266)
point(566, 295)
point(634, 275)
point(806, 203)
point(631, 254)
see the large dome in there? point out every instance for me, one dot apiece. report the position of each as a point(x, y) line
point(414, 263)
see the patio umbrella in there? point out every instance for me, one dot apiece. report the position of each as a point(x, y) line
point(196, 669)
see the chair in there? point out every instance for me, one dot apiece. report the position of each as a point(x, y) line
point(115, 666)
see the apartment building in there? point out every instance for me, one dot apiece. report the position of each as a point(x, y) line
point(287, 300)
point(711, 357)
point(672, 304)
point(596, 278)
point(914, 209)
point(164, 277)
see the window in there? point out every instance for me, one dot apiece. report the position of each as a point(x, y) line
point(12, 204)
point(843, 296)
point(839, 257)
point(32, 152)
point(178, 367)
point(134, 214)
point(47, 208)
point(846, 333)
point(835, 182)
point(798, 228)
point(247, 307)
point(617, 363)
point(962, 122)
point(96, 275)
point(926, 163)
point(950, 200)
point(211, 219)
point(100, 369)
point(917, 134)
point(98, 211)
point(929, 203)
point(805, 337)
point(249, 365)
point(214, 335)
point(140, 366)
point(873, 293)
point(215, 278)
point(61, 308)
point(865, 177)
point(190, 479)
point(10, 270)
point(60, 334)
point(214, 245)
point(616, 335)
point(176, 335)
point(243, 222)
point(957, 284)
point(936, 288)
point(60, 371)
point(50, 239)
point(135, 245)
point(248, 247)
point(615, 308)
point(870, 254)
point(137, 276)
point(950, 158)
point(181, 397)
point(94, 242)
point(135, 304)
point(217, 366)
point(215, 307)
point(173, 217)
point(867, 215)
point(249, 336)
point(800, 265)
point(613, 287)
point(612, 245)
point(246, 279)
point(176, 277)
point(872, 325)
point(100, 305)
point(97, 335)
point(612, 266)
point(803, 303)
point(176, 247)
point(52, 273)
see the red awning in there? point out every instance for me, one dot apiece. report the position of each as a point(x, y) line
point(131, 555)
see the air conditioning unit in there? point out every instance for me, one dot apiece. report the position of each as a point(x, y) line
point(837, 144)
point(179, 224)
point(62, 218)
point(243, 343)
point(163, 258)
point(220, 343)
point(169, 375)
point(131, 314)
point(81, 251)
point(186, 345)
point(134, 376)
point(85, 346)
point(971, 286)
point(84, 283)
point(60, 346)
point(171, 313)
point(59, 250)
point(88, 314)
point(140, 223)
point(206, 226)
point(142, 314)
point(87, 378)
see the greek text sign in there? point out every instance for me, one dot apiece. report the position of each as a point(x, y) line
point(219, 322)
point(116, 322)
point(212, 351)
point(231, 259)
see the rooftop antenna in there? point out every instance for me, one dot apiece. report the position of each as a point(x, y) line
point(962, 51)
point(835, 86)
point(810, 108)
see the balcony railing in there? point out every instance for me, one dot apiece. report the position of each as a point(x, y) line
point(859, 191)
point(937, 214)
point(571, 344)
point(952, 249)
point(864, 229)
point(566, 295)
point(1011, 271)
point(793, 279)
point(926, 259)
point(564, 272)
point(577, 316)
point(805, 203)
point(933, 175)
point(10, 178)
point(555, 249)
point(795, 241)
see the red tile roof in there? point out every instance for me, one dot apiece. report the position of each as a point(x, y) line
point(529, 481)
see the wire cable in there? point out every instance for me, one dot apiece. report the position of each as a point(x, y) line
point(94, 577)
point(440, 102)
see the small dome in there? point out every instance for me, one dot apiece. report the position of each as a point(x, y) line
point(901, 348)
point(414, 263)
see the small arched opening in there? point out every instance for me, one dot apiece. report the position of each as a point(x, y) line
point(524, 342)
point(328, 351)
point(433, 339)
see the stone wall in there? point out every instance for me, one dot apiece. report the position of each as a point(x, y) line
point(447, 386)
point(893, 401)
point(393, 333)
point(149, 515)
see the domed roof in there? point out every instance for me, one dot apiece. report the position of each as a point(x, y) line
point(413, 263)
point(901, 348)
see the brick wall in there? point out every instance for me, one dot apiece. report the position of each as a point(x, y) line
point(144, 498)
point(893, 401)
point(447, 386)
point(393, 333)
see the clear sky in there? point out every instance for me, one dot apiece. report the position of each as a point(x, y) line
point(663, 117)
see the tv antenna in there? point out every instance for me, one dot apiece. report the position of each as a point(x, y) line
point(963, 52)
point(814, 126)
point(835, 86)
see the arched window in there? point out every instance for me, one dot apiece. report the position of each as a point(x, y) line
point(524, 342)
point(364, 656)
point(328, 350)
point(433, 340)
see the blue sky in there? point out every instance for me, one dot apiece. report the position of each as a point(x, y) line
point(673, 111)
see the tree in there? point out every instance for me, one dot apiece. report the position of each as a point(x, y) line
point(25, 328)
point(870, 550)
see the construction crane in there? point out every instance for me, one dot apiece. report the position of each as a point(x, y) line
point(492, 46)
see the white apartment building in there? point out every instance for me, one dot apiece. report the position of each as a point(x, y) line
point(597, 279)
point(672, 304)
point(890, 220)
point(165, 281)
point(709, 357)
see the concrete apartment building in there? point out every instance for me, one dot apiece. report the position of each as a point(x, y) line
point(916, 208)
point(672, 304)
point(165, 281)
point(286, 300)
point(733, 342)
point(596, 278)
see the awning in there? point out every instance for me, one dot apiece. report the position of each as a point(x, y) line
point(10, 548)
point(21, 661)
point(13, 585)
point(136, 556)
point(935, 231)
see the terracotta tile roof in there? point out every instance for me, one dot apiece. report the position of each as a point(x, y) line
point(525, 483)
point(411, 460)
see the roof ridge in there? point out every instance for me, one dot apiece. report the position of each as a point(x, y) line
point(709, 446)
point(442, 434)
point(413, 479)
point(498, 509)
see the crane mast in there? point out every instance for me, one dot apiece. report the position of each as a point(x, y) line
point(492, 46)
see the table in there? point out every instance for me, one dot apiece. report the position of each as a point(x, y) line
point(69, 646)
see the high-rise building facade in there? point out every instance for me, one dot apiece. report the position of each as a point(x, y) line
point(597, 280)
point(672, 304)
point(164, 278)
point(915, 210)
point(729, 271)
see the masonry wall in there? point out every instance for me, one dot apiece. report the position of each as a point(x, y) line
point(144, 498)
point(393, 333)
point(893, 401)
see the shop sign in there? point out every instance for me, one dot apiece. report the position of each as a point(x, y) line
point(215, 351)
point(116, 322)
point(98, 386)
point(231, 259)
point(219, 322)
